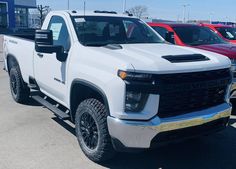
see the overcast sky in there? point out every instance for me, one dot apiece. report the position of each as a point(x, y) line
point(222, 10)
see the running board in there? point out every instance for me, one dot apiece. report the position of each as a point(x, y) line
point(54, 108)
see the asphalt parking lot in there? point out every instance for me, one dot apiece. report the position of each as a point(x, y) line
point(32, 138)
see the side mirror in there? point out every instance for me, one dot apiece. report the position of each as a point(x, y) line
point(170, 37)
point(44, 44)
point(44, 37)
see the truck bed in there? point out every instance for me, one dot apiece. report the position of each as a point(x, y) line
point(28, 34)
point(21, 46)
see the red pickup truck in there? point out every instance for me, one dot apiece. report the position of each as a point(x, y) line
point(197, 36)
point(226, 32)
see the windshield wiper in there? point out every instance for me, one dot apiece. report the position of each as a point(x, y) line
point(114, 46)
point(95, 44)
point(107, 45)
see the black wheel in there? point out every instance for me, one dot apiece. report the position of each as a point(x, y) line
point(92, 131)
point(19, 90)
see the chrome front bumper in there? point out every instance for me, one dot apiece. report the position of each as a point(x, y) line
point(139, 134)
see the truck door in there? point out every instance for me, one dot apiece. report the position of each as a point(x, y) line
point(50, 73)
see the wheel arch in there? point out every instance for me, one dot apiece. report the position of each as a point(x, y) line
point(81, 90)
point(11, 62)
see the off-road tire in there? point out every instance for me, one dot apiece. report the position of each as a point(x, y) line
point(19, 90)
point(94, 110)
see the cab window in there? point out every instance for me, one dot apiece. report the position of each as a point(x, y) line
point(60, 32)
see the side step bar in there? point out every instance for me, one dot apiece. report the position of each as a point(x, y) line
point(54, 108)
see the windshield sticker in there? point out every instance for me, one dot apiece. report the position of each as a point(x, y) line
point(80, 20)
point(230, 35)
point(56, 29)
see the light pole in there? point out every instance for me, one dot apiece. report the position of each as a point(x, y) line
point(227, 20)
point(84, 6)
point(184, 12)
point(68, 4)
point(124, 6)
point(211, 15)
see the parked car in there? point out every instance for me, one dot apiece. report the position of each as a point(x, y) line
point(199, 37)
point(123, 88)
point(228, 33)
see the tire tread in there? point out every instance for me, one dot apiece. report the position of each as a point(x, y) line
point(23, 91)
point(106, 150)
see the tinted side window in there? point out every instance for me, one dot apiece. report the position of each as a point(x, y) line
point(60, 32)
point(197, 35)
point(228, 33)
point(162, 31)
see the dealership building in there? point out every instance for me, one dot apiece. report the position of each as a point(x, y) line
point(15, 13)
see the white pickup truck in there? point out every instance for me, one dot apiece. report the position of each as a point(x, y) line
point(122, 85)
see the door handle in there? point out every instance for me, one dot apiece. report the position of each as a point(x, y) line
point(40, 55)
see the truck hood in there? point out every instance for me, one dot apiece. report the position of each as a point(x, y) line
point(227, 49)
point(149, 58)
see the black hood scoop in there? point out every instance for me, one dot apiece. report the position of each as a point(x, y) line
point(185, 58)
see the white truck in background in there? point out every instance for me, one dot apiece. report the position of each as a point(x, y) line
point(121, 84)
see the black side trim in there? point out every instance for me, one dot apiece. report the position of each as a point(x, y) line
point(93, 87)
point(185, 58)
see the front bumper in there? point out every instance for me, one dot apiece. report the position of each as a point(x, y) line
point(139, 134)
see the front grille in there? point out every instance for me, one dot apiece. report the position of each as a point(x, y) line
point(188, 92)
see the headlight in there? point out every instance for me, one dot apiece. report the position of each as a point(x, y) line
point(136, 96)
point(135, 101)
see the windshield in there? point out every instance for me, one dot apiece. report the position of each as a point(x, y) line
point(228, 33)
point(100, 31)
point(197, 35)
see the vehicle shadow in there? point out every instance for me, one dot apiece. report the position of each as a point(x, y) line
point(217, 151)
point(232, 121)
point(65, 125)
point(32, 102)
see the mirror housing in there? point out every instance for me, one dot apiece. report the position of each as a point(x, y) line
point(44, 37)
point(44, 44)
point(170, 37)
